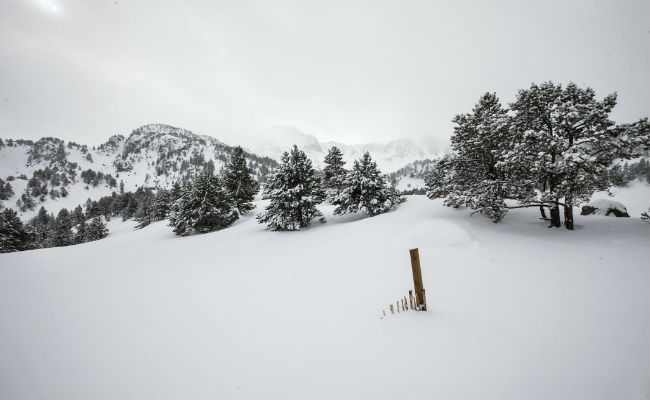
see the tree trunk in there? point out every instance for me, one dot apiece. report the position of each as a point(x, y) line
point(555, 216)
point(568, 214)
point(543, 212)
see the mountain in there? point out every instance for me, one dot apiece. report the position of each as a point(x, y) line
point(58, 174)
point(389, 156)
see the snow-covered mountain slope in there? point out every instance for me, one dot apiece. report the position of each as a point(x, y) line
point(516, 310)
point(57, 174)
point(389, 156)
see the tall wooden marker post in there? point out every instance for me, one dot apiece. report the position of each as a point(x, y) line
point(417, 279)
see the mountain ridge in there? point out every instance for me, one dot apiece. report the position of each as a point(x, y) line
point(58, 174)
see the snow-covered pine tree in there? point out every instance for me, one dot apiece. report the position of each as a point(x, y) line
point(95, 230)
point(175, 193)
point(13, 235)
point(79, 224)
point(63, 229)
point(78, 215)
point(366, 190)
point(473, 175)
point(334, 173)
point(5, 190)
point(161, 205)
point(41, 227)
point(80, 232)
point(204, 206)
point(436, 181)
point(566, 143)
point(294, 191)
point(239, 182)
point(144, 213)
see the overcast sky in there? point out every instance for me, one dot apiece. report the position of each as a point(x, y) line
point(349, 71)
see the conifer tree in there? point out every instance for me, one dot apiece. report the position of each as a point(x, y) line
point(63, 229)
point(78, 215)
point(95, 230)
point(204, 206)
point(5, 190)
point(175, 193)
point(161, 205)
point(144, 212)
point(473, 176)
point(13, 235)
point(80, 233)
point(366, 190)
point(567, 142)
point(294, 191)
point(334, 173)
point(42, 228)
point(239, 182)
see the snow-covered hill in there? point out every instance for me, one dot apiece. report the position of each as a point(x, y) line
point(516, 310)
point(389, 156)
point(58, 174)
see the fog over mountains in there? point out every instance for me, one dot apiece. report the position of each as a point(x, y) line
point(389, 156)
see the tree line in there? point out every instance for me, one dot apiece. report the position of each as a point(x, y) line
point(46, 230)
point(549, 149)
point(211, 202)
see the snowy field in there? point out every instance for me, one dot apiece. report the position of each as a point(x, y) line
point(517, 311)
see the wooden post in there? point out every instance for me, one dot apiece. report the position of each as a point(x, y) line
point(398, 306)
point(411, 300)
point(417, 279)
point(406, 306)
point(391, 309)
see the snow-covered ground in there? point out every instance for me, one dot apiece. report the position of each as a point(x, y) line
point(516, 311)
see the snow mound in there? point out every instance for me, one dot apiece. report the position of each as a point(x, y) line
point(606, 207)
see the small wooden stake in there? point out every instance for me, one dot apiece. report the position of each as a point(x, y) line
point(417, 279)
point(391, 309)
point(398, 306)
point(411, 299)
point(424, 296)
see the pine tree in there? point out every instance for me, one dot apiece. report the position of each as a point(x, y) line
point(294, 191)
point(550, 150)
point(204, 206)
point(78, 216)
point(366, 190)
point(42, 228)
point(95, 230)
point(334, 173)
point(13, 235)
point(566, 142)
point(144, 213)
point(175, 193)
point(473, 176)
point(80, 233)
point(5, 190)
point(161, 205)
point(239, 182)
point(63, 229)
